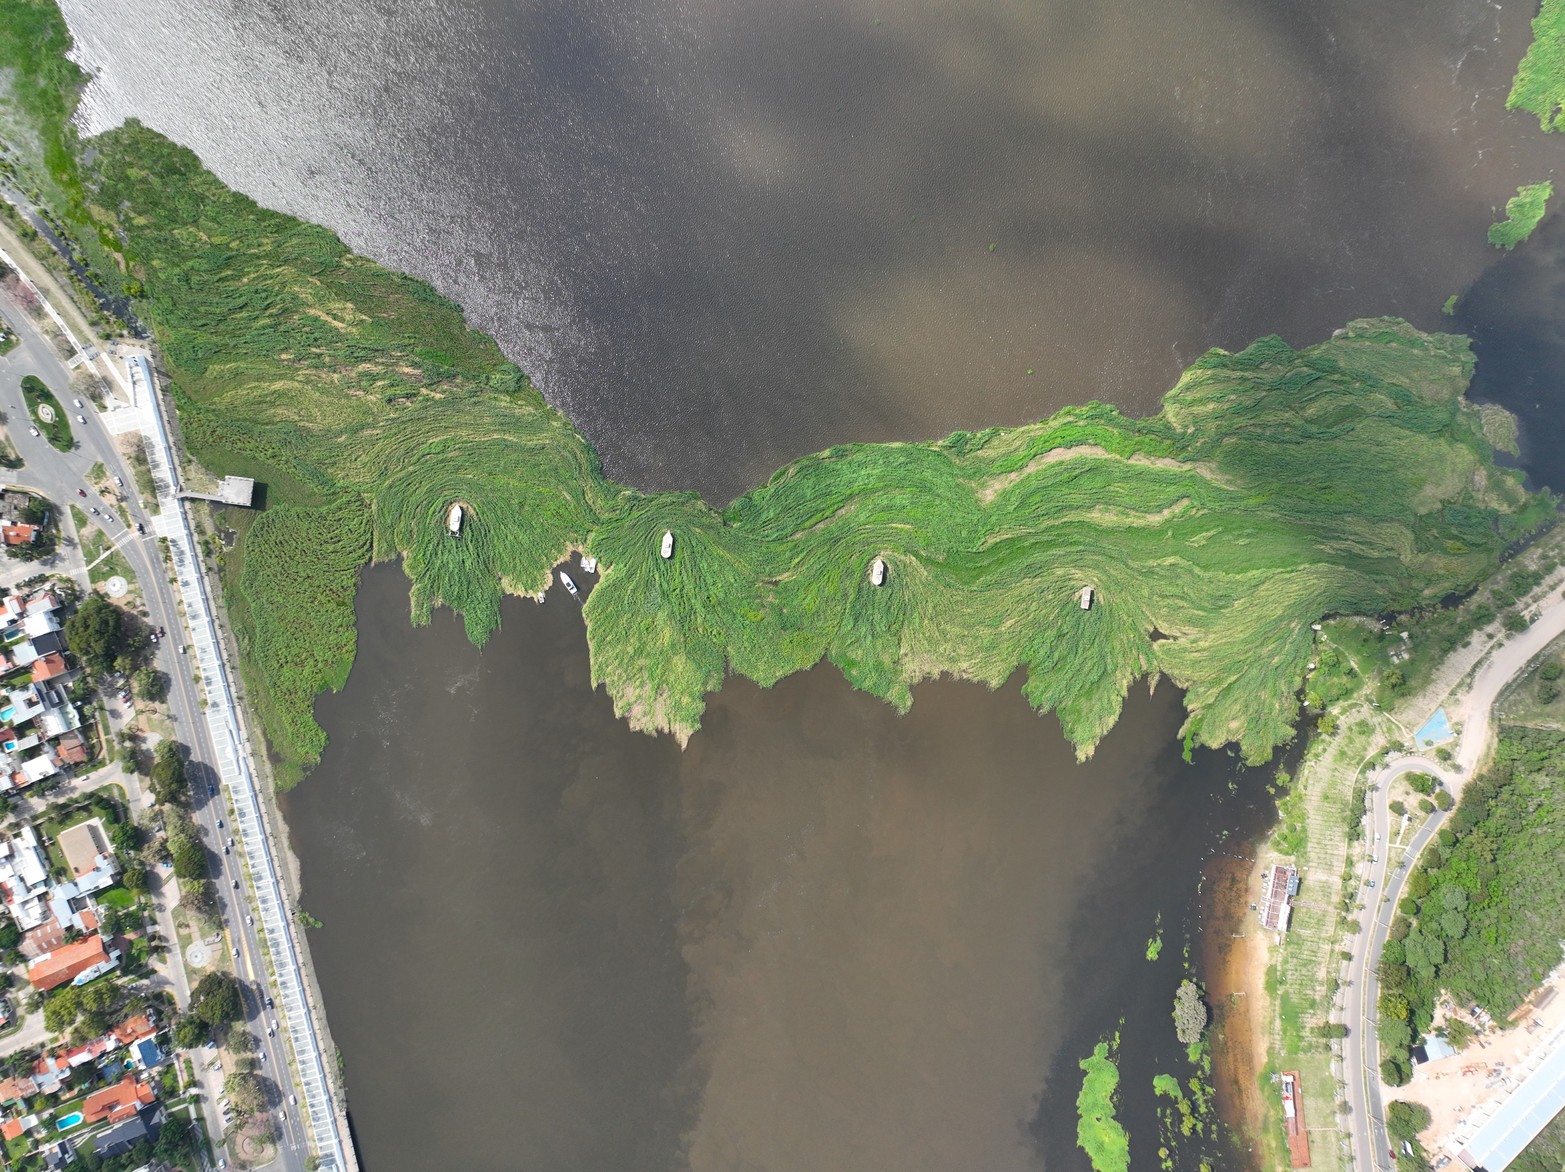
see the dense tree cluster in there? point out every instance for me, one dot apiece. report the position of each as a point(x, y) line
point(1484, 912)
point(215, 1000)
point(103, 637)
point(168, 773)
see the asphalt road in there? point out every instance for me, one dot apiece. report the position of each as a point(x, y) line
point(60, 475)
point(1474, 712)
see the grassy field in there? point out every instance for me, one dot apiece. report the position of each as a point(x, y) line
point(1275, 487)
point(1522, 213)
point(1540, 79)
point(57, 428)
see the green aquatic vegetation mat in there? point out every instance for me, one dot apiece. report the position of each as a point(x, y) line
point(1276, 486)
point(1522, 213)
point(1539, 85)
point(1098, 1132)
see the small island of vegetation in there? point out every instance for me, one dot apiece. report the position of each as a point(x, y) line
point(1523, 211)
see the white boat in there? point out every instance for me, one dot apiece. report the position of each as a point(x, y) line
point(589, 565)
point(668, 543)
point(565, 581)
point(877, 572)
point(454, 521)
point(1086, 598)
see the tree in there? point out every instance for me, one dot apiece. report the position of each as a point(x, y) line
point(151, 684)
point(1189, 1013)
point(190, 1031)
point(95, 633)
point(184, 846)
point(1332, 1029)
point(215, 999)
point(1405, 1120)
point(1443, 799)
point(134, 876)
point(1458, 1032)
point(1395, 1072)
point(173, 1144)
point(242, 1042)
point(10, 934)
point(124, 838)
point(168, 773)
point(61, 1009)
point(244, 1093)
point(1552, 670)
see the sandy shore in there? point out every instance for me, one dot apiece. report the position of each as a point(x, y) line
point(1235, 956)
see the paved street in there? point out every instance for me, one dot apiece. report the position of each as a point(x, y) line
point(1473, 711)
point(59, 475)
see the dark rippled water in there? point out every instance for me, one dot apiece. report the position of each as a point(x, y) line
point(720, 235)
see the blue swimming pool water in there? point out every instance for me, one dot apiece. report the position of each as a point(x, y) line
point(1436, 730)
point(66, 1122)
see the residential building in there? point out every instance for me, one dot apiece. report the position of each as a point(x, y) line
point(75, 964)
point(120, 1101)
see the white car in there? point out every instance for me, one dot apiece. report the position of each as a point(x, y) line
point(118, 483)
point(33, 431)
point(81, 419)
point(78, 402)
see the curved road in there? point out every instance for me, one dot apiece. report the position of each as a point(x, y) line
point(1507, 657)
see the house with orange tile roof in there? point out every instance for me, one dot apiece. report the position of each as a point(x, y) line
point(11, 1129)
point(120, 1101)
point(23, 534)
point(74, 963)
point(50, 666)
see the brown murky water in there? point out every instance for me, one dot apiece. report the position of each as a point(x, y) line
point(824, 936)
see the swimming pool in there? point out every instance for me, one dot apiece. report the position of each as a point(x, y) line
point(1436, 730)
point(66, 1122)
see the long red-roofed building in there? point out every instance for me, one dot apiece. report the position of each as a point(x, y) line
point(120, 1101)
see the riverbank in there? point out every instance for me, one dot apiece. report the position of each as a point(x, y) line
point(1292, 982)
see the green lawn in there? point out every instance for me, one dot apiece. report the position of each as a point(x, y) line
point(40, 401)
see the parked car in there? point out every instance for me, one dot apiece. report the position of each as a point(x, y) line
point(268, 1002)
point(236, 885)
point(81, 419)
point(33, 431)
point(211, 790)
point(94, 510)
point(81, 492)
point(118, 483)
point(77, 402)
point(220, 824)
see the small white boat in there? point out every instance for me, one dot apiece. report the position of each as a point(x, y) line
point(454, 521)
point(668, 543)
point(1086, 598)
point(565, 581)
point(877, 572)
point(589, 565)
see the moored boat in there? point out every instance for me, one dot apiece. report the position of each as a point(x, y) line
point(589, 565)
point(454, 521)
point(1086, 598)
point(877, 572)
point(565, 581)
point(668, 543)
